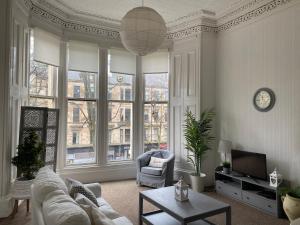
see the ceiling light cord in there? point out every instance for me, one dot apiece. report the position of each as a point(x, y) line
point(142, 3)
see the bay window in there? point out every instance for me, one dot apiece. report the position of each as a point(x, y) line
point(156, 97)
point(82, 103)
point(101, 117)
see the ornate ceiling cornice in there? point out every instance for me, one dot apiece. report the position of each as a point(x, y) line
point(177, 32)
point(253, 14)
point(107, 34)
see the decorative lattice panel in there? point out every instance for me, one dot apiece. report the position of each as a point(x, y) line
point(44, 122)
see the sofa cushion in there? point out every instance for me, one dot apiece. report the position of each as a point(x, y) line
point(122, 221)
point(97, 217)
point(105, 208)
point(82, 200)
point(61, 209)
point(152, 170)
point(157, 162)
point(45, 182)
point(76, 186)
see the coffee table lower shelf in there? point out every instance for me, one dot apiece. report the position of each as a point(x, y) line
point(162, 218)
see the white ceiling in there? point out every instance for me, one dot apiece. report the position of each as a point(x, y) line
point(114, 10)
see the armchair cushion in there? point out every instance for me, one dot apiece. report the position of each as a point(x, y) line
point(157, 162)
point(156, 171)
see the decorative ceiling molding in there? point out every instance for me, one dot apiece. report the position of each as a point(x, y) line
point(106, 34)
point(253, 14)
point(244, 6)
point(73, 13)
point(190, 31)
point(181, 31)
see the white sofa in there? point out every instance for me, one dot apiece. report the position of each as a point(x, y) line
point(52, 205)
point(296, 222)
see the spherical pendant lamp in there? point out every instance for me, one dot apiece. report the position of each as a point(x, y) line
point(143, 30)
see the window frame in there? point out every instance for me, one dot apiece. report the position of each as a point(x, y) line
point(82, 99)
point(54, 97)
point(144, 102)
point(122, 115)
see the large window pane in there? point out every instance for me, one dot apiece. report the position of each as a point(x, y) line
point(119, 131)
point(155, 126)
point(81, 132)
point(156, 87)
point(81, 84)
point(120, 87)
point(42, 79)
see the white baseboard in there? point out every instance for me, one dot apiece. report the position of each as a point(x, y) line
point(6, 206)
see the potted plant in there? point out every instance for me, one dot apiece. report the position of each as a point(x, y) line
point(291, 202)
point(28, 161)
point(198, 137)
point(226, 167)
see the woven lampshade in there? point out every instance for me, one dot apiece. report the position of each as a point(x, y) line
point(143, 30)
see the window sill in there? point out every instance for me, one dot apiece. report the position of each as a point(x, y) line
point(97, 166)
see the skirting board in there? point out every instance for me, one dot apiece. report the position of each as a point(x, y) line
point(6, 206)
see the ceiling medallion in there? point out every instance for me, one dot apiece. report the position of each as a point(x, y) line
point(143, 30)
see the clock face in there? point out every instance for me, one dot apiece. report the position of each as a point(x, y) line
point(264, 99)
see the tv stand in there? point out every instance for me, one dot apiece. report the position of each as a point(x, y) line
point(254, 192)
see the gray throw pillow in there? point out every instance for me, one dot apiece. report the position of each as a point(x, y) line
point(157, 155)
point(76, 186)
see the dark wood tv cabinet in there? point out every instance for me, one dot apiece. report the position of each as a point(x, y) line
point(254, 192)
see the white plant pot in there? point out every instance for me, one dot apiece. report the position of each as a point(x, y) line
point(21, 188)
point(197, 182)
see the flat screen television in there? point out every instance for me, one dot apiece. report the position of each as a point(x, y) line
point(249, 164)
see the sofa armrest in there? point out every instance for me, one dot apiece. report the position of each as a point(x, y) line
point(95, 188)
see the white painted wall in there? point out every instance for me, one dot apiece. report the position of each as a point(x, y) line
point(265, 53)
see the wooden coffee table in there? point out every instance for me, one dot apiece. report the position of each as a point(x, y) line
point(173, 212)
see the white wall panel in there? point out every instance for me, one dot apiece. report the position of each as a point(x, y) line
point(186, 78)
point(191, 73)
point(177, 75)
point(265, 53)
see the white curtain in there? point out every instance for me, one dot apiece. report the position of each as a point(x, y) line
point(46, 47)
point(83, 56)
point(157, 62)
point(122, 61)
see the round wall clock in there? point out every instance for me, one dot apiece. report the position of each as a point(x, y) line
point(264, 99)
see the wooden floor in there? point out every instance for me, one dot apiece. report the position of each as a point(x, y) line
point(21, 218)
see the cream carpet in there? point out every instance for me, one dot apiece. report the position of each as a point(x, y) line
point(123, 196)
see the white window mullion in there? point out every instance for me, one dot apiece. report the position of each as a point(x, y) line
point(102, 107)
point(62, 104)
point(139, 127)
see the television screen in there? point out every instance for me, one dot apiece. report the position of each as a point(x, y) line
point(249, 164)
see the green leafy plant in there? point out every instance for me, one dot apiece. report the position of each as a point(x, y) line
point(198, 137)
point(226, 164)
point(293, 192)
point(29, 157)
